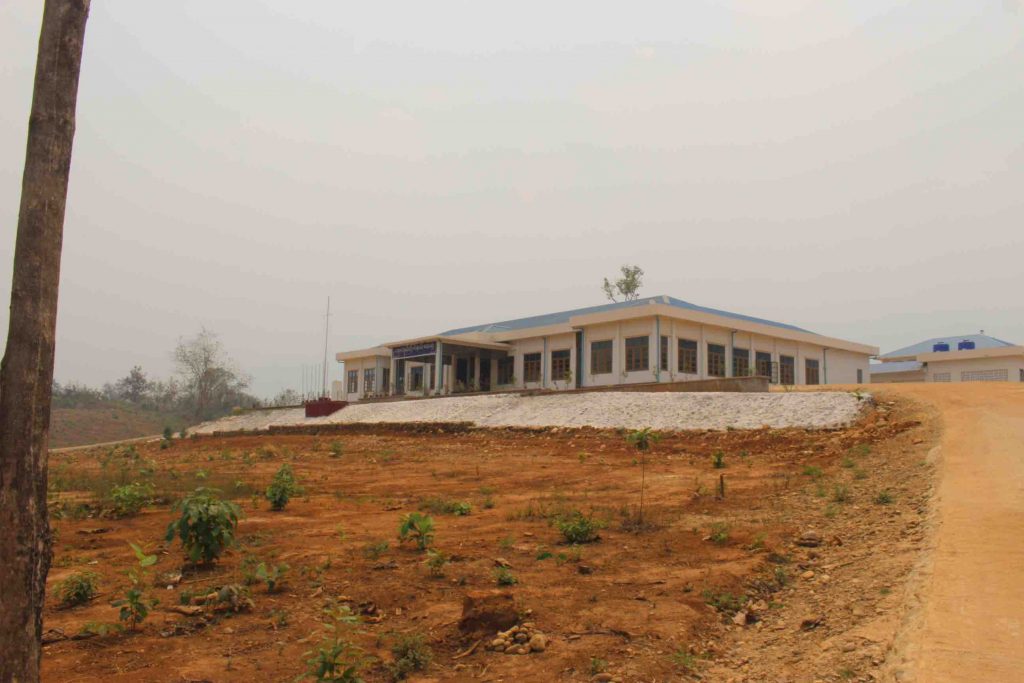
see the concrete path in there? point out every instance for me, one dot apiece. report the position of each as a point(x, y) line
point(969, 623)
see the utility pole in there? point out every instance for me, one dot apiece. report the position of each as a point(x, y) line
point(327, 327)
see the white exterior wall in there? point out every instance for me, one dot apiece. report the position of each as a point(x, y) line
point(360, 365)
point(1012, 364)
point(843, 367)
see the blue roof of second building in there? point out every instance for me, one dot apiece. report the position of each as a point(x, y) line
point(981, 341)
point(564, 316)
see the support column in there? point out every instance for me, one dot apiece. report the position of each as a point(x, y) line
point(657, 348)
point(544, 365)
point(476, 369)
point(438, 369)
point(393, 378)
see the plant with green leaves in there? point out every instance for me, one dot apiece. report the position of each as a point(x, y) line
point(579, 528)
point(134, 605)
point(435, 562)
point(503, 576)
point(272, 576)
point(642, 440)
point(336, 659)
point(128, 500)
point(718, 460)
point(282, 488)
point(206, 526)
point(411, 653)
point(78, 589)
point(418, 528)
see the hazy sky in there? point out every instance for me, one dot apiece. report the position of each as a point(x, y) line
point(853, 168)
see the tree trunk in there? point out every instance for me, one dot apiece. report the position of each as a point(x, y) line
point(26, 375)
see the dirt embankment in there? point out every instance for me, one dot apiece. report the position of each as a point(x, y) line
point(651, 602)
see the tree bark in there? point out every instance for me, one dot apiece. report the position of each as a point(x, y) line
point(26, 375)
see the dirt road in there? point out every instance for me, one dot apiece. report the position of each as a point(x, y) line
point(969, 622)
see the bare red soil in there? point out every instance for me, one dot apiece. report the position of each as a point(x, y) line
point(633, 603)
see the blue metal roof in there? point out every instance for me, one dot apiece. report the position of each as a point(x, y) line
point(981, 341)
point(564, 316)
point(894, 366)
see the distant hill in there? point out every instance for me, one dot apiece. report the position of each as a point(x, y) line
point(113, 421)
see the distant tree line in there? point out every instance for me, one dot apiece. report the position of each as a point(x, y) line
point(206, 384)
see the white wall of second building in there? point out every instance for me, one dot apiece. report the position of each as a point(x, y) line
point(996, 369)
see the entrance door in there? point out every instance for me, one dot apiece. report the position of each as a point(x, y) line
point(485, 374)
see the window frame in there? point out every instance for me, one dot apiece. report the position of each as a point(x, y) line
point(638, 356)
point(684, 350)
point(599, 353)
point(369, 380)
point(353, 382)
point(532, 367)
point(663, 353)
point(716, 358)
point(742, 355)
point(783, 365)
point(506, 370)
point(812, 368)
point(763, 363)
point(560, 357)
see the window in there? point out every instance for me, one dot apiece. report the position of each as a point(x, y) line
point(531, 367)
point(740, 362)
point(688, 356)
point(416, 378)
point(663, 354)
point(506, 369)
point(638, 353)
point(369, 381)
point(787, 370)
point(1022, 374)
point(860, 376)
point(601, 357)
point(560, 367)
point(811, 374)
point(763, 364)
point(941, 377)
point(385, 382)
point(716, 360)
point(353, 382)
point(984, 375)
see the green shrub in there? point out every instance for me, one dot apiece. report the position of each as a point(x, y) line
point(841, 493)
point(127, 500)
point(336, 659)
point(579, 528)
point(725, 601)
point(444, 506)
point(134, 607)
point(411, 654)
point(436, 561)
point(718, 460)
point(416, 527)
point(373, 551)
point(78, 589)
point(282, 488)
point(248, 569)
point(168, 433)
point(883, 498)
point(272, 576)
point(206, 526)
point(504, 576)
point(336, 449)
point(719, 533)
point(812, 471)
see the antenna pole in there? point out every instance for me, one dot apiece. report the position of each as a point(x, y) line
point(327, 326)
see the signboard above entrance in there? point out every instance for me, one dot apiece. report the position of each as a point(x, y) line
point(414, 350)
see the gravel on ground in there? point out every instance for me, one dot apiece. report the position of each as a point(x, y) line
point(665, 411)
